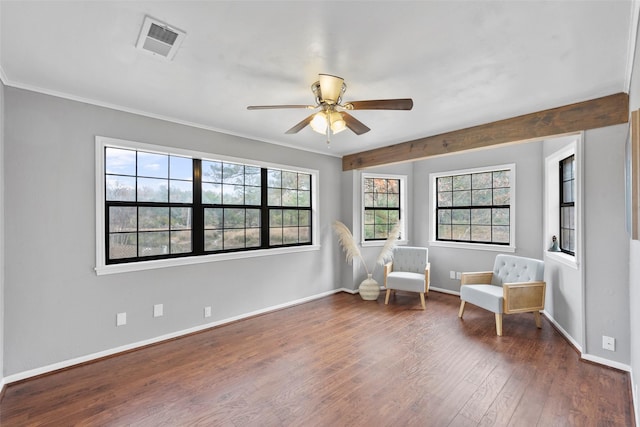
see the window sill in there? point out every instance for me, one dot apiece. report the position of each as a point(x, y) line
point(563, 258)
point(373, 243)
point(174, 262)
point(473, 246)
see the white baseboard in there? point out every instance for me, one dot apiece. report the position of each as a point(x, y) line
point(564, 333)
point(444, 291)
point(634, 395)
point(89, 357)
point(586, 356)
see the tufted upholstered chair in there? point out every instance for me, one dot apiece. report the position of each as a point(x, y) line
point(408, 271)
point(514, 286)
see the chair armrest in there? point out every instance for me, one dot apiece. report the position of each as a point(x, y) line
point(427, 276)
point(388, 268)
point(523, 297)
point(476, 277)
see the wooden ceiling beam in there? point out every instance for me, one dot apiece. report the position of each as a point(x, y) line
point(596, 113)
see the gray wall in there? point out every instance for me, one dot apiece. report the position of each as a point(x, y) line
point(529, 182)
point(2, 264)
point(634, 256)
point(606, 245)
point(57, 308)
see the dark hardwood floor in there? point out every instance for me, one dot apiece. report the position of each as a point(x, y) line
point(338, 361)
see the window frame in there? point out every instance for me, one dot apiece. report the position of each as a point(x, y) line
point(402, 209)
point(566, 204)
point(102, 267)
point(433, 192)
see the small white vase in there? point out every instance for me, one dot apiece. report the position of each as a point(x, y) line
point(369, 289)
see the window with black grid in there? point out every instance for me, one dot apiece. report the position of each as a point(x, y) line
point(567, 205)
point(381, 207)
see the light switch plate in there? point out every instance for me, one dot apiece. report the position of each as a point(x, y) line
point(158, 310)
point(121, 319)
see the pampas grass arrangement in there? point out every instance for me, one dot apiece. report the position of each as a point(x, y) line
point(351, 249)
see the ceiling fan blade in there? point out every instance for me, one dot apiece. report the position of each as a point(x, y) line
point(304, 123)
point(354, 124)
point(381, 104)
point(273, 107)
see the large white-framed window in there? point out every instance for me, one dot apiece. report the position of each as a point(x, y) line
point(563, 203)
point(474, 208)
point(158, 207)
point(383, 205)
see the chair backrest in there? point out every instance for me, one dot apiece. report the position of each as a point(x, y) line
point(410, 259)
point(511, 268)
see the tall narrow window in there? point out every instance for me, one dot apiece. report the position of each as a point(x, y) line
point(567, 205)
point(382, 202)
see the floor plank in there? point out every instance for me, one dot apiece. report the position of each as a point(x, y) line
point(338, 361)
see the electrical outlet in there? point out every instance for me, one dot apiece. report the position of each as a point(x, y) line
point(452, 274)
point(158, 310)
point(121, 319)
point(608, 343)
point(458, 275)
point(207, 311)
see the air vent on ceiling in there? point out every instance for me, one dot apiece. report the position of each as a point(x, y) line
point(159, 38)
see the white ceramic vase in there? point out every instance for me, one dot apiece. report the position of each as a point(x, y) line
point(369, 289)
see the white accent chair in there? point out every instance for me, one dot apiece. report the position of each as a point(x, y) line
point(516, 285)
point(408, 271)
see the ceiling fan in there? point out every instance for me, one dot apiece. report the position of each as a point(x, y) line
point(333, 116)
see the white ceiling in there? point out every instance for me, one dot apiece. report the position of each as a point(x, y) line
point(464, 63)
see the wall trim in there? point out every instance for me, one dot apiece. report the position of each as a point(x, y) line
point(634, 397)
point(564, 333)
point(20, 376)
point(444, 291)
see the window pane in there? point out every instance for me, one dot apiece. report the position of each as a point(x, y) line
point(211, 171)
point(153, 219)
point(289, 198)
point(232, 194)
point(252, 195)
point(393, 186)
point(369, 217)
point(482, 180)
point(304, 218)
point(252, 218)
point(381, 231)
point(180, 191)
point(445, 183)
point(500, 234)
point(180, 218)
point(380, 200)
point(290, 235)
point(252, 176)
point(275, 218)
point(275, 196)
point(304, 234)
point(180, 168)
point(394, 217)
point(123, 245)
point(304, 181)
point(380, 185)
point(153, 190)
point(460, 216)
point(368, 185)
point(382, 217)
point(369, 231)
point(275, 236)
point(567, 191)
point(445, 199)
point(368, 200)
point(481, 233)
point(232, 173)
point(233, 218)
point(460, 232)
point(481, 198)
point(153, 165)
point(393, 200)
point(120, 188)
point(119, 161)
point(213, 218)
point(462, 198)
point(444, 232)
point(462, 182)
point(290, 180)
point(211, 193)
point(180, 242)
point(213, 240)
point(289, 217)
point(501, 196)
point(481, 217)
point(233, 239)
point(123, 218)
point(274, 178)
point(501, 179)
point(444, 216)
point(500, 216)
point(153, 243)
point(253, 237)
point(304, 198)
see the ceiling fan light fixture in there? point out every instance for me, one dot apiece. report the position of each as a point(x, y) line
point(337, 122)
point(331, 88)
point(319, 122)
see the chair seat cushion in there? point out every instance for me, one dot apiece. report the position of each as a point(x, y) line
point(489, 297)
point(406, 281)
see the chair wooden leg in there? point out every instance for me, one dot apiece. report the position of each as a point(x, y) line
point(536, 315)
point(499, 324)
point(424, 306)
point(461, 309)
point(386, 298)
